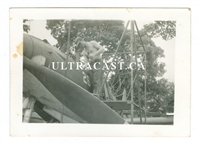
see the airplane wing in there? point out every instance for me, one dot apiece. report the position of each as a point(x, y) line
point(73, 96)
point(63, 94)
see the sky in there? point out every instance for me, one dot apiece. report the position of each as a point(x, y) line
point(37, 29)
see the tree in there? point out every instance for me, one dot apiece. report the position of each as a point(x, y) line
point(26, 27)
point(99, 31)
point(163, 96)
point(107, 33)
point(165, 29)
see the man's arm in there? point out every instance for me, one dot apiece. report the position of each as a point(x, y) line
point(99, 48)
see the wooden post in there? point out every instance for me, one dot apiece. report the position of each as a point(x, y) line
point(145, 76)
point(132, 106)
point(68, 39)
point(145, 88)
point(139, 99)
point(136, 71)
point(68, 44)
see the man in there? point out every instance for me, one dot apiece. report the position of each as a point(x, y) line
point(92, 53)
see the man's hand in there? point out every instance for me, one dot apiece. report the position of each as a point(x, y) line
point(91, 56)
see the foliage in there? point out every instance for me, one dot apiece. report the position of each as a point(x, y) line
point(163, 99)
point(165, 29)
point(26, 27)
point(105, 32)
point(160, 93)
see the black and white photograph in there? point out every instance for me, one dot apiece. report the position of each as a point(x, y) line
point(99, 71)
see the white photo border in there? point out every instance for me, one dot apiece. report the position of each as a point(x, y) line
point(181, 126)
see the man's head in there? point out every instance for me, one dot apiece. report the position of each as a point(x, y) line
point(78, 44)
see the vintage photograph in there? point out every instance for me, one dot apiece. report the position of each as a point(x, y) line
point(98, 71)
